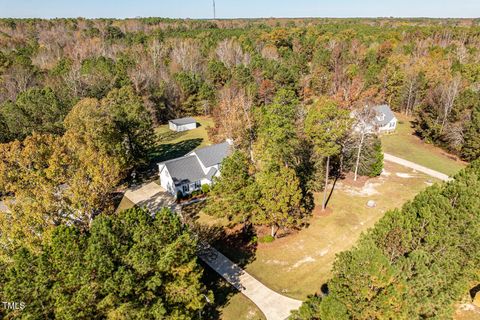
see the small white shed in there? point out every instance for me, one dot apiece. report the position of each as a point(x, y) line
point(182, 124)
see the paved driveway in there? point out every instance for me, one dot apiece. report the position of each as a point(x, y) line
point(274, 305)
point(150, 195)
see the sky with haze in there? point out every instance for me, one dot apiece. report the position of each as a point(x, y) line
point(238, 8)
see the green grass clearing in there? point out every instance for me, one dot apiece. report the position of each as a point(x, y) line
point(170, 145)
point(404, 144)
point(176, 144)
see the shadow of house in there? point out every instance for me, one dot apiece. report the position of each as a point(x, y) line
point(164, 152)
point(169, 151)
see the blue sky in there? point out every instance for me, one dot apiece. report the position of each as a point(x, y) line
point(239, 8)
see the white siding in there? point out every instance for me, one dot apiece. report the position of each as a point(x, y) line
point(389, 127)
point(166, 180)
point(183, 127)
point(172, 126)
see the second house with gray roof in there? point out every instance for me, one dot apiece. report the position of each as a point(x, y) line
point(188, 173)
point(385, 120)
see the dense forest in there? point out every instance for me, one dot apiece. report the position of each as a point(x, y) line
point(425, 68)
point(79, 103)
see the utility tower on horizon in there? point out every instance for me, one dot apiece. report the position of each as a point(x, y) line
point(214, 13)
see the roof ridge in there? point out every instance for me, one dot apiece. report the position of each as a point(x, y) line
point(188, 155)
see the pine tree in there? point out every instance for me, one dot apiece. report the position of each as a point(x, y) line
point(280, 202)
point(234, 194)
point(417, 262)
point(325, 126)
point(277, 136)
point(471, 147)
point(128, 266)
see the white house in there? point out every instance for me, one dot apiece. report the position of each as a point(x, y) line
point(182, 124)
point(188, 173)
point(385, 120)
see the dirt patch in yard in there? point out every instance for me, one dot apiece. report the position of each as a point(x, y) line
point(318, 212)
point(349, 180)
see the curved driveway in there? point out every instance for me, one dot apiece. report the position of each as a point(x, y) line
point(273, 305)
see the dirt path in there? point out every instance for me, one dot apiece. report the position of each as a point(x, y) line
point(417, 167)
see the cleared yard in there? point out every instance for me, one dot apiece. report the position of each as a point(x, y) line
point(297, 265)
point(404, 144)
point(173, 144)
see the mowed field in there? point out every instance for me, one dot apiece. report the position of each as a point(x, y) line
point(404, 144)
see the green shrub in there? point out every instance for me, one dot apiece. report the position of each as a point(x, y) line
point(205, 188)
point(266, 239)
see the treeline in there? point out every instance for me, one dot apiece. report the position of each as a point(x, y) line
point(416, 263)
point(426, 68)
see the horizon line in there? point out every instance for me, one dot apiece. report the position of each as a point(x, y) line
point(243, 18)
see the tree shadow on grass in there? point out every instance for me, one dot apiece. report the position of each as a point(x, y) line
point(222, 291)
point(170, 151)
point(237, 244)
point(331, 190)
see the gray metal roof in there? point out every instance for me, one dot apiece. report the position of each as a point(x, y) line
point(183, 121)
point(185, 169)
point(383, 110)
point(213, 154)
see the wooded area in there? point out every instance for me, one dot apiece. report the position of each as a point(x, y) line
point(79, 103)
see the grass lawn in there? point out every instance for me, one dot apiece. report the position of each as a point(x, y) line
point(297, 265)
point(176, 144)
point(240, 307)
point(170, 145)
point(404, 144)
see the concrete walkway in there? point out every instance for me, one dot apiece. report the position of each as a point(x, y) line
point(417, 167)
point(273, 305)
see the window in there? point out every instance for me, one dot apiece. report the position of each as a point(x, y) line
point(185, 188)
point(198, 184)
